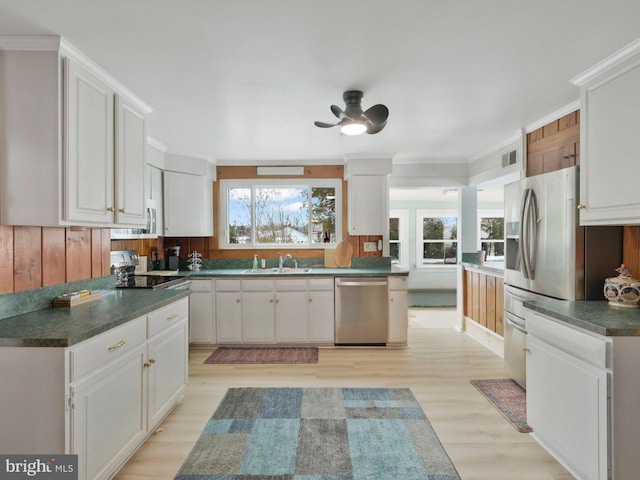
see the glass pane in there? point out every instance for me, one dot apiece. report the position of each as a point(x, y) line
point(281, 215)
point(239, 215)
point(394, 252)
point(394, 229)
point(323, 215)
point(494, 251)
point(492, 228)
point(440, 253)
point(440, 228)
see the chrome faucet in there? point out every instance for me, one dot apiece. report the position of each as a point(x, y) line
point(282, 259)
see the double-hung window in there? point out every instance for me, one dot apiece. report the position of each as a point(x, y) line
point(280, 212)
point(398, 237)
point(438, 230)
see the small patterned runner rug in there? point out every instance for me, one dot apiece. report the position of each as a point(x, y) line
point(264, 355)
point(318, 433)
point(509, 398)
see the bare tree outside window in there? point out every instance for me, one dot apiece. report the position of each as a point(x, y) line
point(275, 215)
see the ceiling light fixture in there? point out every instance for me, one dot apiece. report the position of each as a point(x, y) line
point(353, 128)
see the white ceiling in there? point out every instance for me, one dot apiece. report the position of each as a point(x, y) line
point(243, 80)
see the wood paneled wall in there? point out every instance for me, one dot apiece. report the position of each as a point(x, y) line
point(555, 145)
point(34, 257)
point(631, 250)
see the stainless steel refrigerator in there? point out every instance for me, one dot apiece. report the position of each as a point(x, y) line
point(548, 254)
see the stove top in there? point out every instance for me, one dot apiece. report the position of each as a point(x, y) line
point(150, 281)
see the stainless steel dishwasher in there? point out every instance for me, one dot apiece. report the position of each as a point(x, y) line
point(362, 310)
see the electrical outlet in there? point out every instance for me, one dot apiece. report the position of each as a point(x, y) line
point(370, 246)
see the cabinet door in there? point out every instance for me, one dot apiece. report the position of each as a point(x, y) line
point(88, 156)
point(567, 408)
point(321, 316)
point(398, 316)
point(201, 312)
point(229, 317)
point(156, 196)
point(367, 204)
point(258, 317)
point(167, 370)
point(108, 416)
point(130, 157)
point(610, 150)
point(188, 205)
point(292, 316)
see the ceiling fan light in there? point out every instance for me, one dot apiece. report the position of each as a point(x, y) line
point(353, 128)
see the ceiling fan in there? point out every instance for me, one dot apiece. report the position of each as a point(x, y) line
point(353, 121)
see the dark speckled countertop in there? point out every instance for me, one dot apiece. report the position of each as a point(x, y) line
point(595, 316)
point(315, 272)
point(63, 327)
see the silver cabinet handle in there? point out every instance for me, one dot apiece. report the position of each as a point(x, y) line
point(116, 346)
point(172, 316)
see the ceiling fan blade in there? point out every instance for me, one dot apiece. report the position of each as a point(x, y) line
point(377, 115)
point(337, 111)
point(324, 125)
point(371, 128)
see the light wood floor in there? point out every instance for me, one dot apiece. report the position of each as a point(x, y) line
point(437, 366)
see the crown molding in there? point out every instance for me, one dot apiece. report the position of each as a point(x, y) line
point(155, 143)
point(608, 63)
point(561, 112)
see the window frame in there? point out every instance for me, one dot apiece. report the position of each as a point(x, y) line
point(402, 214)
point(252, 183)
point(423, 213)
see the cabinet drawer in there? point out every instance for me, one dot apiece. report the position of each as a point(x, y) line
point(103, 348)
point(321, 284)
point(167, 316)
point(227, 285)
point(201, 285)
point(397, 283)
point(291, 285)
point(257, 285)
point(591, 349)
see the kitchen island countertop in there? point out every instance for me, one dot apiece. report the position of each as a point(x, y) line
point(595, 316)
point(63, 327)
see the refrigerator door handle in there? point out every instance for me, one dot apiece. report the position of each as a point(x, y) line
point(533, 242)
point(524, 233)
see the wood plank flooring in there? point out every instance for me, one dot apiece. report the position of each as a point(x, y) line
point(437, 366)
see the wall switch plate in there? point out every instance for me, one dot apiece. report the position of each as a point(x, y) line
point(370, 246)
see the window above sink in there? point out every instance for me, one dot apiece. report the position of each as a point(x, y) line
point(272, 213)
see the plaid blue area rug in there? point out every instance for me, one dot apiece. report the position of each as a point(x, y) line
point(318, 434)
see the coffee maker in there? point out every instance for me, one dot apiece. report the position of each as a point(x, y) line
point(173, 258)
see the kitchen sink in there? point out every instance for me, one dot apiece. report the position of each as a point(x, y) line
point(277, 271)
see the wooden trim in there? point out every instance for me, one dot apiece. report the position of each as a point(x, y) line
point(6, 259)
point(310, 171)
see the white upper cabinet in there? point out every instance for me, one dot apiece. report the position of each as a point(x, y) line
point(368, 201)
point(130, 164)
point(188, 205)
point(74, 139)
point(609, 148)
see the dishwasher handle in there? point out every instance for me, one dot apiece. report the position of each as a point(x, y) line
point(354, 283)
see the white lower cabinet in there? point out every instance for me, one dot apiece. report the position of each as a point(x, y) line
point(398, 311)
point(201, 312)
point(107, 419)
point(228, 319)
point(292, 315)
point(582, 391)
point(321, 310)
point(268, 311)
